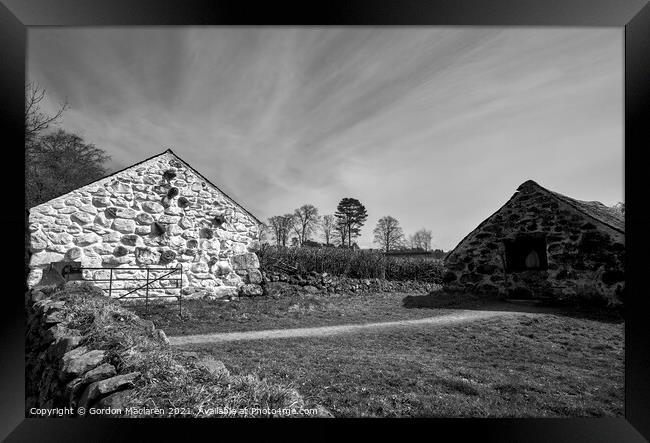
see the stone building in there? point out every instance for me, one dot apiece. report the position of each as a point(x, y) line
point(160, 212)
point(542, 244)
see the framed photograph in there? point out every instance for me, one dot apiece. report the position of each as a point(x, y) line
point(373, 211)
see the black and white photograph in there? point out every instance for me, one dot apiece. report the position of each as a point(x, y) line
point(324, 222)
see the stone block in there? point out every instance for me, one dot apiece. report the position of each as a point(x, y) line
point(76, 362)
point(125, 213)
point(124, 226)
point(245, 261)
point(87, 239)
point(152, 207)
point(104, 387)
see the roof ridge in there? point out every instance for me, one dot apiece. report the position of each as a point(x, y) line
point(104, 177)
point(167, 151)
point(572, 202)
point(212, 184)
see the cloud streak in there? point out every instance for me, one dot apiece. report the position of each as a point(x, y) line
point(434, 126)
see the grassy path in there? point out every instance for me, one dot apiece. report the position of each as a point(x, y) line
point(463, 316)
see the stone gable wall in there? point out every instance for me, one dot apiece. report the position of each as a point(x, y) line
point(585, 258)
point(119, 222)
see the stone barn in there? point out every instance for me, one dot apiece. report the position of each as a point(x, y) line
point(542, 244)
point(158, 213)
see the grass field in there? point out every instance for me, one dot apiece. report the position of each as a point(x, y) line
point(547, 366)
point(554, 363)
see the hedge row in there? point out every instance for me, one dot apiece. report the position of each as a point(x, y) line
point(352, 263)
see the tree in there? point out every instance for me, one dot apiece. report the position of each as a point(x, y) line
point(37, 121)
point(341, 232)
point(388, 233)
point(328, 226)
point(281, 226)
point(58, 163)
point(306, 220)
point(350, 215)
point(421, 240)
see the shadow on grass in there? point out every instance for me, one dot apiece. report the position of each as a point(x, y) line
point(447, 300)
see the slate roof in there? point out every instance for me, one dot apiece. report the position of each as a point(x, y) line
point(594, 209)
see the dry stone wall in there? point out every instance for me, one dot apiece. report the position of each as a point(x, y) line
point(585, 257)
point(60, 369)
point(159, 213)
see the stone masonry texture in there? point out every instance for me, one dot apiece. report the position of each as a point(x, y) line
point(585, 255)
point(158, 213)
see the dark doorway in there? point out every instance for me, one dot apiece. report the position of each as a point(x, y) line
point(526, 253)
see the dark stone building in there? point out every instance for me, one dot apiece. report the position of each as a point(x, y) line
point(542, 244)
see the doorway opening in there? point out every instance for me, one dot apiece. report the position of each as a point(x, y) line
point(526, 253)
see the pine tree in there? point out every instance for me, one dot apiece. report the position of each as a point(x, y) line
point(350, 215)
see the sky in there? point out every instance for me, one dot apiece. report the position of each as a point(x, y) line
point(435, 126)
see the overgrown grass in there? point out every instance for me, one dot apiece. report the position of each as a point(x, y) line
point(352, 263)
point(169, 379)
point(516, 366)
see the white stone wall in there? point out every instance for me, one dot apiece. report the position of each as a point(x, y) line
point(110, 223)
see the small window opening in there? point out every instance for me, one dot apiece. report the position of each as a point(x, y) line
point(526, 253)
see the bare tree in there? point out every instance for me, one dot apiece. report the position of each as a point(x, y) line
point(421, 239)
point(281, 226)
point(306, 220)
point(37, 121)
point(388, 233)
point(328, 226)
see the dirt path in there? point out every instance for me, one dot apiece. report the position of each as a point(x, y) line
point(323, 331)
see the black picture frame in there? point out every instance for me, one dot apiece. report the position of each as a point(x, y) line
point(16, 16)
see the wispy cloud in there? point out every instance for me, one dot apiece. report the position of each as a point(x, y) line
point(435, 126)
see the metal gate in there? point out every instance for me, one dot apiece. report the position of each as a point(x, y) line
point(75, 272)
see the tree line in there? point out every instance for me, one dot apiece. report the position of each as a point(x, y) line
point(298, 228)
